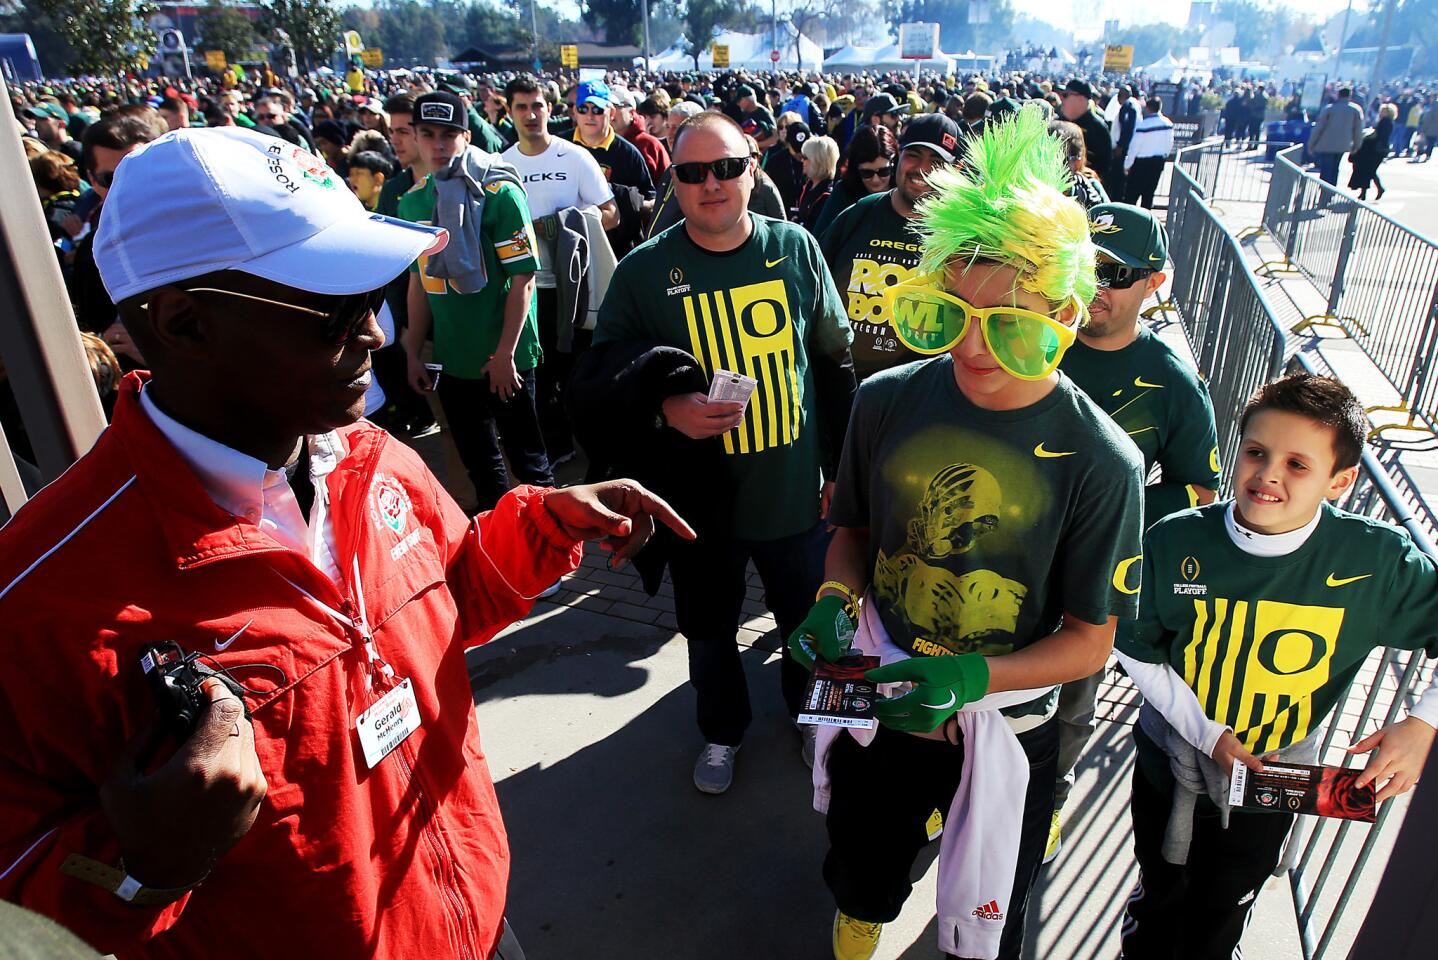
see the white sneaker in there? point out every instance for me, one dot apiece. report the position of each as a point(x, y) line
point(714, 770)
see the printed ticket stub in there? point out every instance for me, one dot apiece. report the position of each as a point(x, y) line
point(839, 696)
point(1301, 788)
point(731, 386)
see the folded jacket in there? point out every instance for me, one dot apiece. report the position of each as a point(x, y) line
point(459, 194)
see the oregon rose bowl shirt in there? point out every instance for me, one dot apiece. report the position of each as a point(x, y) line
point(870, 248)
point(759, 310)
point(1159, 401)
point(1270, 644)
point(467, 325)
point(986, 526)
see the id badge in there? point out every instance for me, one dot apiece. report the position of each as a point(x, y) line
point(385, 725)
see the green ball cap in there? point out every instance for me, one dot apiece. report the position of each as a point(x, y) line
point(1131, 235)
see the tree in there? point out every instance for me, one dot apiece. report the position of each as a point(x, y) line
point(227, 29)
point(311, 26)
point(621, 21)
point(956, 33)
point(105, 36)
point(50, 45)
point(700, 19)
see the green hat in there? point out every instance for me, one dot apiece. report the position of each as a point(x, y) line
point(42, 111)
point(1131, 235)
point(744, 91)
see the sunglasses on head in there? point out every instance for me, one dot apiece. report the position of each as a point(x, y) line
point(1117, 276)
point(929, 320)
point(343, 322)
point(590, 108)
point(725, 168)
point(870, 173)
point(103, 178)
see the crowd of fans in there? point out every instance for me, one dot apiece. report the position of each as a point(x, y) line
point(963, 453)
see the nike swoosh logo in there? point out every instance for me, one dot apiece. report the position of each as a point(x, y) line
point(1039, 451)
point(953, 699)
point(1334, 581)
point(775, 263)
point(222, 645)
point(1138, 382)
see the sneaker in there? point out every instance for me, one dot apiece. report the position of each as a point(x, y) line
point(422, 429)
point(854, 939)
point(1056, 839)
point(809, 735)
point(714, 770)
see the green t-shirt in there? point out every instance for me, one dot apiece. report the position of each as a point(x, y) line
point(1163, 406)
point(986, 526)
point(483, 135)
point(394, 188)
point(869, 247)
point(759, 310)
point(467, 325)
point(1270, 644)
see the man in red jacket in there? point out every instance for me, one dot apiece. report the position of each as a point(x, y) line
point(633, 127)
point(332, 798)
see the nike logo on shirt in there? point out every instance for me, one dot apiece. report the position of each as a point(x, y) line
point(775, 263)
point(1334, 581)
point(222, 645)
point(1139, 382)
point(1039, 451)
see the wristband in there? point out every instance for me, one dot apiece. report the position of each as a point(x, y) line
point(121, 884)
point(851, 599)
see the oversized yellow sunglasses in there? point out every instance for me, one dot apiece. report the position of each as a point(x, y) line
point(930, 320)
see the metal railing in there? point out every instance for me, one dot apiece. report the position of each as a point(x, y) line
point(1226, 176)
point(1379, 279)
point(1238, 343)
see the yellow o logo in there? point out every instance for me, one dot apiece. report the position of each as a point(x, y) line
point(1120, 575)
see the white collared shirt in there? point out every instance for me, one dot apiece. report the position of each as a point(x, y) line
point(255, 494)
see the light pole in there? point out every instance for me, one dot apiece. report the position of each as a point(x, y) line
point(1342, 42)
point(645, 5)
point(534, 32)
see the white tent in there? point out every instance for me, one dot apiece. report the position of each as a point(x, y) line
point(887, 58)
point(851, 58)
point(1166, 69)
point(748, 52)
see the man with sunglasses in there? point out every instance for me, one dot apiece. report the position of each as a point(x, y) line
point(1155, 397)
point(750, 295)
point(869, 247)
point(332, 797)
point(988, 535)
point(620, 160)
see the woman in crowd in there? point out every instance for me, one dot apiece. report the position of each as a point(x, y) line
point(1374, 149)
point(821, 160)
point(867, 167)
point(1087, 189)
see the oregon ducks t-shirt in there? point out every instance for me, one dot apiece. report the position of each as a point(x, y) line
point(870, 248)
point(759, 310)
point(986, 526)
point(467, 325)
point(1160, 402)
point(1270, 644)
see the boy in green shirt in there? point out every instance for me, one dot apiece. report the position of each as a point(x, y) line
point(487, 342)
point(1256, 614)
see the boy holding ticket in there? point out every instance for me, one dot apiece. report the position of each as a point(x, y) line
point(1256, 613)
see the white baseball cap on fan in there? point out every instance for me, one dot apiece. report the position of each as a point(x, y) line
point(200, 200)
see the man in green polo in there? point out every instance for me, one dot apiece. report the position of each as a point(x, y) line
point(1155, 396)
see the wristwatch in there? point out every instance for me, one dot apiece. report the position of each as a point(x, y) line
point(120, 883)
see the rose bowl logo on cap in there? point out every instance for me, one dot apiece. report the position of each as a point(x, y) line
point(440, 112)
point(949, 141)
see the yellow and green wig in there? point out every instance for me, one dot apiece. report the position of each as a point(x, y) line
point(1007, 204)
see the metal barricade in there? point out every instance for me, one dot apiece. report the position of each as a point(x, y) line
point(1238, 343)
point(1379, 279)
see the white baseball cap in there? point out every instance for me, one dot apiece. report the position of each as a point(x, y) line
point(226, 198)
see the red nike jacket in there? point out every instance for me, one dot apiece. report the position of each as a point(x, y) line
point(408, 860)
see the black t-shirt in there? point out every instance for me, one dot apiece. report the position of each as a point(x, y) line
point(621, 162)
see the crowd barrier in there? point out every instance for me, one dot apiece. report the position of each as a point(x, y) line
point(1379, 278)
point(1238, 343)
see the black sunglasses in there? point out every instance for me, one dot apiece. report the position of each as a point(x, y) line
point(725, 168)
point(869, 173)
point(346, 318)
point(1117, 276)
point(587, 108)
point(103, 178)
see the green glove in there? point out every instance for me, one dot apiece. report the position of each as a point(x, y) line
point(826, 632)
point(941, 686)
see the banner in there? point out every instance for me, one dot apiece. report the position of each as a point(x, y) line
point(215, 60)
point(372, 57)
point(569, 55)
point(354, 46)
point(1118, 57)
point(721, 56)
